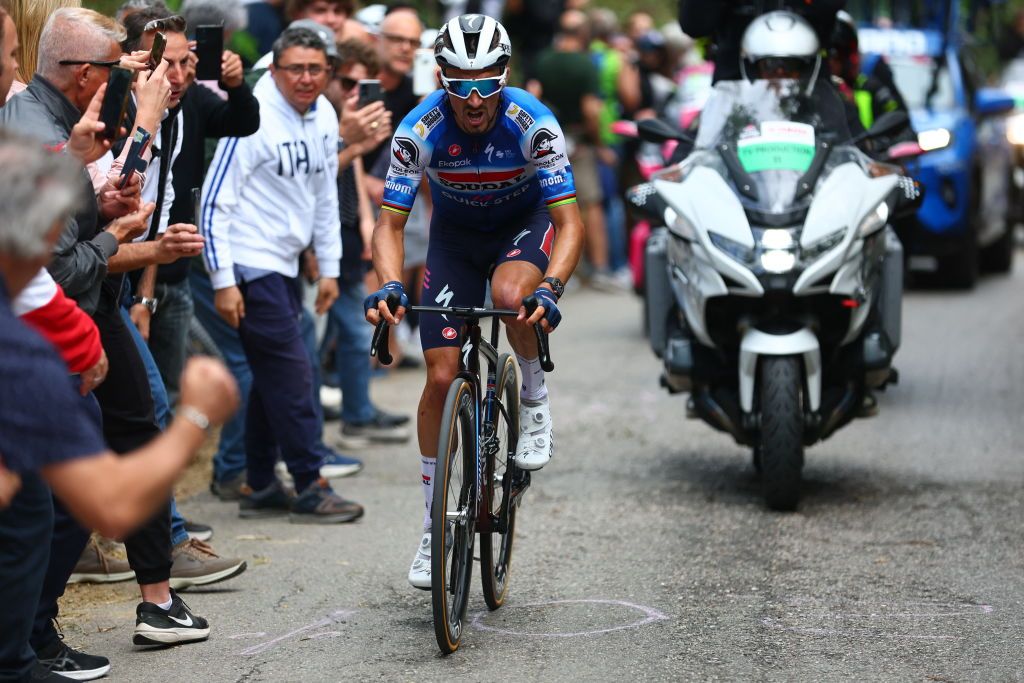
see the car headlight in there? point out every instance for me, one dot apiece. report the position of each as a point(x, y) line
point(936, 138)
point(819, 247)
point(737, 251)
point(874, 221)
point(1015, 129)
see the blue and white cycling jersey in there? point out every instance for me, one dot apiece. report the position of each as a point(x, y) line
point(480, 181)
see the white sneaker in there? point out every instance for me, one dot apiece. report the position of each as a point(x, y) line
point(536, 441)
point(419, 573)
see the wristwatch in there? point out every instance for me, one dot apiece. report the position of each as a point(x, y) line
point(147, 302)
point(557, 286)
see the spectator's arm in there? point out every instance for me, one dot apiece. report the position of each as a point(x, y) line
point(60, 321)
point(232, 164)
point(591, 107)
point(628, 86)
point(327, 220)
point(238, 117)
point(80, 266)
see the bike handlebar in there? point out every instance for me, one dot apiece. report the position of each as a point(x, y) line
point(382, 333)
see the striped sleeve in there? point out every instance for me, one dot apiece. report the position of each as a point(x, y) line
point(222, 188)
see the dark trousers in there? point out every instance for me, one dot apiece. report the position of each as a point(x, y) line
point(66, 545)
point(25, 529)
point(282, 420)
point(128, 423)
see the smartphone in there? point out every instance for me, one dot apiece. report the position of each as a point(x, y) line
point(369, 92)
point(115, 101)
point(133, 162)
point(210, 51)
point(197, 205)
point(424, 80)
point(156, 53)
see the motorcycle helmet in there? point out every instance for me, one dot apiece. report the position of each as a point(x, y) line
point(781, 45)
point(473, 42)
point(844, 48)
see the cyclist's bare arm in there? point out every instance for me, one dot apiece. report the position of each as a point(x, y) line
point(388, 258)
point(565, 253)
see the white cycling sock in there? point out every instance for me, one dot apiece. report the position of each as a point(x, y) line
point(534, 388)
point(427, 466)
point(165, 605)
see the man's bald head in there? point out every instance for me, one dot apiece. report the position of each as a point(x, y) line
point(399, 38)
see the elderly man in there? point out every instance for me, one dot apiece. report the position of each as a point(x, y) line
point(48, 436)
point(76, 50)
point(271, 195)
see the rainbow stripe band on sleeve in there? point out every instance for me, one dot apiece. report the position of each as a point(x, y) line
point(561, 201)
point(400, 210)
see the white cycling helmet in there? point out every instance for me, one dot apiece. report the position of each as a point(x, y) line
point(473, 42)
point(781, 45)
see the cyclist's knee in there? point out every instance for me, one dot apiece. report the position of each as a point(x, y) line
point(440, 373)
point(509, 294)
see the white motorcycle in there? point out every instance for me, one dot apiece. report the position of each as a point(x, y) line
point(774, 289)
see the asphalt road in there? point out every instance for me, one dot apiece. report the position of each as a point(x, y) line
point(643, 549)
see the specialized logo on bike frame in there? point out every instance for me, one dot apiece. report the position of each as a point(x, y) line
point(473, 181)
point(542, 143)
point(449, 333)
point(454, 150)
point(406, 152)
point(519, 115)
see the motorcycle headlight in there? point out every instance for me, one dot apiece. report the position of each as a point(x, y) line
point(1015, 129)
point(874, 221)
point(937, 138)
point(737, 251)
point(778, 261)
point(826, 243)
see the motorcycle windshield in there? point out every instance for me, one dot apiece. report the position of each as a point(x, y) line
point(773, 139)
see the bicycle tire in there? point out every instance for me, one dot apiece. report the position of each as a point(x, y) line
point(455, 485)
point(497, 451)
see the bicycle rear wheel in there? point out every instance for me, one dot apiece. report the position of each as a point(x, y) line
point(453, 515)
point(500, 438)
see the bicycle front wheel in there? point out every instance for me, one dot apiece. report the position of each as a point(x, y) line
point(453, 515)
point(501, 435)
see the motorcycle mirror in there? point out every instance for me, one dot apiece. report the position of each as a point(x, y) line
point(909, 199)
point(656, 130)
point(886, 124)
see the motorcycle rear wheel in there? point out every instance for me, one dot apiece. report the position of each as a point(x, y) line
point(782, 428)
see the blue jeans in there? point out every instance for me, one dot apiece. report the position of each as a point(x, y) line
point(162, 410)
point(352, 359)
point(229, 460)
point(615, 213)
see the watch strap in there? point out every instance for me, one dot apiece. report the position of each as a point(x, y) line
point(557, 286)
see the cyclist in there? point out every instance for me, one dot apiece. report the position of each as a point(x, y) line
point(504, 207)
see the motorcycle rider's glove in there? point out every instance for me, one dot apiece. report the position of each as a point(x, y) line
point(393, 287)
point(546, 298)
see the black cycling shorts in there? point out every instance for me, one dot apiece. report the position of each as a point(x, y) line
point(460, 260)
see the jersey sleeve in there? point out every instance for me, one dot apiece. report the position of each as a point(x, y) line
point(544, 146)
point(409, 155)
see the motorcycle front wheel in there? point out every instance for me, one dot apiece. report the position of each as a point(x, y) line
point(782, 431)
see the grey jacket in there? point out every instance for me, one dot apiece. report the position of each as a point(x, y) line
point(80, 258)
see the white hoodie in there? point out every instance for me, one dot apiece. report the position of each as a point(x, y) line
point(269, 195)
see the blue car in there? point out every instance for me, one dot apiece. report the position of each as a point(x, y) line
point(963, 225)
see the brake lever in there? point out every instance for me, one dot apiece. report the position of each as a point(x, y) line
point(380, 346)
point(530, 303)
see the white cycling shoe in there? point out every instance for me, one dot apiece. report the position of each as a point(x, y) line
point(419, 572)
point(536, 442)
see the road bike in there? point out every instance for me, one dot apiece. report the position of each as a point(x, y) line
point(477, 487)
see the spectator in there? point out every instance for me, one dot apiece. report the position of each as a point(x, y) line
point(265, 22)
point(29, 16)
point(531, 25)
point(76, 48)
point(228, 13)
point(132, 6)
point(48, 435)
point(568, 82)
point(330, 13)
point(361, 130)
point(273, 194)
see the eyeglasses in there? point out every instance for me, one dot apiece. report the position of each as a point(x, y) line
point(401, 40)
point(173, 24)
point(464, 87)
point(90, 62)
point(296, 70)
point(347, 83)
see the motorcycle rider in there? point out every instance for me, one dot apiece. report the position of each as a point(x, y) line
point(726, 21)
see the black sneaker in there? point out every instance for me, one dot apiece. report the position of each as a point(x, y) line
point(155, 626)
point(58, 658)
point(269, 502)
point(382, 427)
point(319, 504)
point(229, 489)
point(200, 532)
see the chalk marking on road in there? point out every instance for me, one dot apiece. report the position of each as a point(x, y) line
point(651, 615)
point(242, 636)
point(334, 618)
